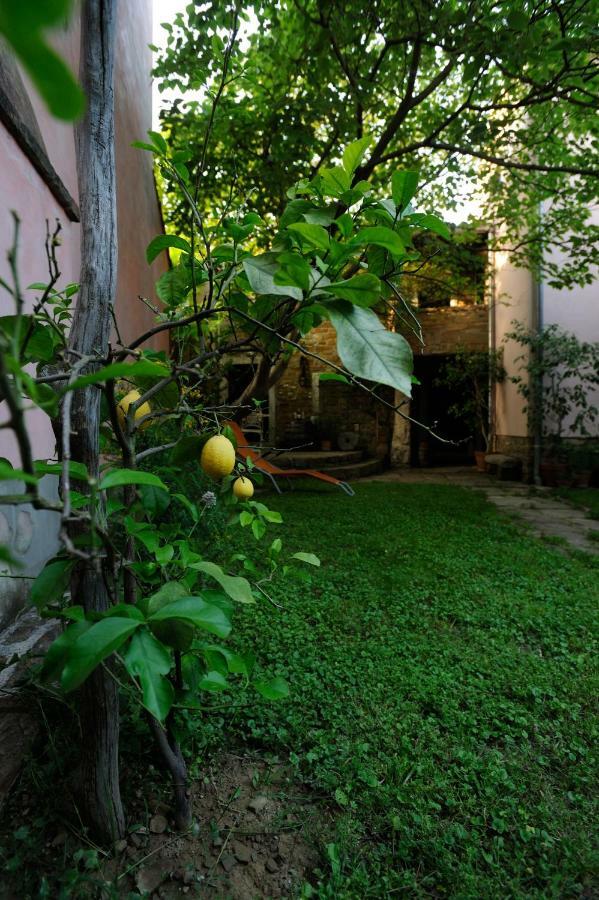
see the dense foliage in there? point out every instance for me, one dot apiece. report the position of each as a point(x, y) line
point(497, 96)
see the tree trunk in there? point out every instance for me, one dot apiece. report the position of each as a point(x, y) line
point(100, 794)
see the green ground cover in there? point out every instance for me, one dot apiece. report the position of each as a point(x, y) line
point(443, 690)
point(443, 676)
point(587, 498)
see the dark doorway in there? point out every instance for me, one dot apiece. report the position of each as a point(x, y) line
point(430, 404)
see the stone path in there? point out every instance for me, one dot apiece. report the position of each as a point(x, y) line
point(547, 516)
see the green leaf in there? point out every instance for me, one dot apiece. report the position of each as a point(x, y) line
point(294, 270)
point(149, 660)
point(163, 242)
point(335, 181)
point(213, 681)
point(174, 285)
point(22, 25)
point(363, 290)
point(333, 376)
point(197, 611)
point(258, 528)
point(431, 223)
point(354, 154)
point(120, 477)
point(382, 237)
point(58, 651)
point(143, 367)
point(403, 188)
point(368, 350)
point(97, 643)
point(143, 145)
point(245, 518)
point(272, 515)
point(154, 500)
point(164, 554)
point(235, 586)
point(309, 558)
point(275, 689)
point(158, 141)
point(7, 473)
point(189, 506)
point(261, 271)
point(77, 470)
point(315, 235)
point(52, 582)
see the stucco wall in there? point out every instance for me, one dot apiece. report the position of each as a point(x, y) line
point(576, 310)
point(139, 220)
point(514, 293)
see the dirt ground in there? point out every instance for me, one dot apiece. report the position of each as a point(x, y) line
point(253, 839)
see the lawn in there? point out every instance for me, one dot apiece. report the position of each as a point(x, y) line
point(441, 718)
point(443, 693)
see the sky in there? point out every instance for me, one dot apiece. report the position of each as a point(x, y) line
point(165, 11)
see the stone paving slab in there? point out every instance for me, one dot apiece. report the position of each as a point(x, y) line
point(546, 516)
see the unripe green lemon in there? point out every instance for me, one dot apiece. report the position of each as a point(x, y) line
point(243, 488)
point(218, 457)
point(123, 408)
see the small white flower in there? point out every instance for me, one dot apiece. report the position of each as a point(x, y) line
point(209, 499)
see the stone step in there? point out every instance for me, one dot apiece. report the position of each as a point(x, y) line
point(322, 460)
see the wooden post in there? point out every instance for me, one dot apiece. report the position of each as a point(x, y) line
point(99, 789)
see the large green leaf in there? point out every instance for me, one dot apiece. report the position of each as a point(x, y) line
point(58, 651)
point(354, 154)
point(149, 660)
point(314, 235)
point(381, 236)
point(143, 367)
point(237, 588)
point(431, 223)
point(309, 558)
point(22, 24)
point(261, 271)
point(163, 242)
point(335, 181)
point(174, 285)
point(363, 290)
point(294, 270)
point(403, 188)
point(51, 582)
point(120, 477)
point(98, 642)
point(368, 350)
point(197, 611)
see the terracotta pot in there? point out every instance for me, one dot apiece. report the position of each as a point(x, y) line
point(326, 445)
point(479, 456)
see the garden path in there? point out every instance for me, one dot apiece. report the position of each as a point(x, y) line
point(548, 516)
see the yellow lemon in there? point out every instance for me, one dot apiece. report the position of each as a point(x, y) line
point(123, 408)
point(218, 456)
point(243, 488)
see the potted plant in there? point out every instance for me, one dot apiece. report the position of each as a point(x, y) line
point(469, 374)
point(557, 376)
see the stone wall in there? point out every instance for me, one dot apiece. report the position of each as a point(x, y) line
point(300, 395)
point(448, 328)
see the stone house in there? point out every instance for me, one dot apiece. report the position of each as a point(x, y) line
point(303, 410)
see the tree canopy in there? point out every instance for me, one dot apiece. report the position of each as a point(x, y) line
point(497, 95)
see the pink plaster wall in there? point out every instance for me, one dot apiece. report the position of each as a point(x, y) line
point(22, 189)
